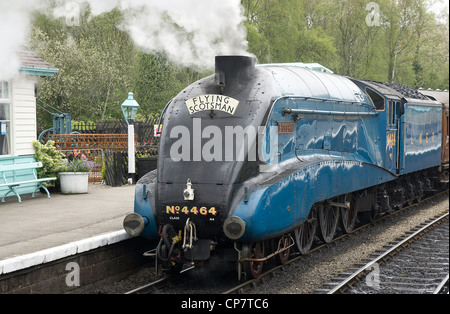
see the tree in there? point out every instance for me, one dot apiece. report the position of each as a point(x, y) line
point(156, 82)
point(349, 16)
point(403, 21)
point(96, 62)
point(99, 64)
point(433, 55)
point(278, 31)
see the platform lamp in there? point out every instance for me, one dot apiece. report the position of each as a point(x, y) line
point(129, 109)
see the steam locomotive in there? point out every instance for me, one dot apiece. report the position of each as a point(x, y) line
point(256, 160)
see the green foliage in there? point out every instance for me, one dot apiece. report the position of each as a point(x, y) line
point(98, 65)
point(156, 82)
point(95, 62)
point(144, 153)
point(52, 160)
point(83, 125)
point(409, 46)
point(103, 171)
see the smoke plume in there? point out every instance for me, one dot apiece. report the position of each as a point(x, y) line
point(189, 32)
point(14, 30)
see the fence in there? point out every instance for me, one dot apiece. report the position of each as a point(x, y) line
point(144, 130)
point(93, 146)
point(116, 168)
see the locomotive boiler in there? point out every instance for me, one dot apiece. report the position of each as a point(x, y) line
point(255, 160)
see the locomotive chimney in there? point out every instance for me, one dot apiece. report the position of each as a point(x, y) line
point(233, 72)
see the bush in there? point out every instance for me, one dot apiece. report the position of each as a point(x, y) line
point(51, 159)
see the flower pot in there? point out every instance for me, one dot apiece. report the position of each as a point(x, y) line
point(74, 182)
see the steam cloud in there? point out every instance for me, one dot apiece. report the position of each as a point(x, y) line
point(189, 32)
point(14, 30)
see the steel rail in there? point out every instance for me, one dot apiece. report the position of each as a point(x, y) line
point(441, 285)
point(159, 283)
point(144, 289)
point(360, 272)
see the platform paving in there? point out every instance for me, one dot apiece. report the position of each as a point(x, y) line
point(39, 224)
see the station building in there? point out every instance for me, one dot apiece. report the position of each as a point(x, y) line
point(18, 106)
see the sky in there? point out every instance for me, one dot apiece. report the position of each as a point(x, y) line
point(440, 7)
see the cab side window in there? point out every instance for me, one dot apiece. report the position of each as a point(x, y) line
point(377, 99)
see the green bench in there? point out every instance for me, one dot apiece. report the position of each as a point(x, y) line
point(20, 178)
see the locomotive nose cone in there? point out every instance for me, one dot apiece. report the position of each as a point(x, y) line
point(233, 72)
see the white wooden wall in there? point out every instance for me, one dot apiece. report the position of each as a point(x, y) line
point(23, 115)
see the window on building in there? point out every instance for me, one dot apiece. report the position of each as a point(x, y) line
point(377, 99)
point(5, 123)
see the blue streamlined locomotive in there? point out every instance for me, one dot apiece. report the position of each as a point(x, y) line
point(257, 159)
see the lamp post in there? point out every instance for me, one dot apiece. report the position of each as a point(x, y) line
point(129, 109)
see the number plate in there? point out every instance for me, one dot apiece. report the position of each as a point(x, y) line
point(191, 210)
point(285, 127)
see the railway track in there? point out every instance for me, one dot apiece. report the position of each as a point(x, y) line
point(160, 285)
point(416, 263)
point(442, 288)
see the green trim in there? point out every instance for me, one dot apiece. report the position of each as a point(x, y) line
point(38, 71)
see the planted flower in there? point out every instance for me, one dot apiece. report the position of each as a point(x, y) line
point(78, 163)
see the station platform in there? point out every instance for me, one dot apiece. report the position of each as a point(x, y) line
point(40, 229)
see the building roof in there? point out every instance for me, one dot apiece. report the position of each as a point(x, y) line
point(33, 65)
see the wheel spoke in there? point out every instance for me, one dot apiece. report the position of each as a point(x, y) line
point(283, 257)
point(254, 251)
point(349, 215)
point(304, 235)
point(328, 220)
